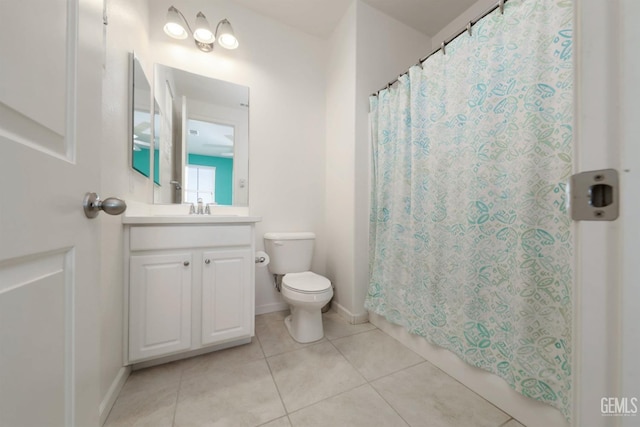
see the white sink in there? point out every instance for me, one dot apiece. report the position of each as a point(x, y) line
point(188, 219)
point(193, 215)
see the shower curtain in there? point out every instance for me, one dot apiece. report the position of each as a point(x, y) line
point(471, 243)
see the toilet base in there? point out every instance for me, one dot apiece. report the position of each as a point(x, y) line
point(305, 326)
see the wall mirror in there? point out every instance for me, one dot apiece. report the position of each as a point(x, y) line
point(140, 119)
point(201, 128)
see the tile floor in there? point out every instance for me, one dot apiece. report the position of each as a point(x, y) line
point(356, 376)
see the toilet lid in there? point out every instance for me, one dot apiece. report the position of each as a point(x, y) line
point(307, 282)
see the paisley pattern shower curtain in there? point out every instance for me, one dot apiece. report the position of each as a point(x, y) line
point(471, 243)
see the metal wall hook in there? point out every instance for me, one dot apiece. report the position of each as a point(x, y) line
point(92, 205)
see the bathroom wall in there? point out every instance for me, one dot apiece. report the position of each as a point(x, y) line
point(285, 71)
point(461, 21)
point(340, 157)
point(126, 32)
point(367, 50)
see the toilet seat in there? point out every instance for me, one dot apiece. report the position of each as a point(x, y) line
point(306, 282)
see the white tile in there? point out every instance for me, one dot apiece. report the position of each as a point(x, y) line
point(238, 395)
point(360, 407)
point(161, 377)
point(274, 336)
point(280, 422)
point(336, 326)
point(223, 359)
point(311, 374)
point(375, 354)
point(423, 395)
point(271, 317)
point(143, 409)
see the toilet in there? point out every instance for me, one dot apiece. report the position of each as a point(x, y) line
point(305, 292)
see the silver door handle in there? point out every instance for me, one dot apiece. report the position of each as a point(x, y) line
point(92, 205)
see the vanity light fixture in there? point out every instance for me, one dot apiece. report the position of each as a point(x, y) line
point(177, 27)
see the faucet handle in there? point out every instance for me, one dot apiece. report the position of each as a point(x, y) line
point(207, 209)
point(192, 209)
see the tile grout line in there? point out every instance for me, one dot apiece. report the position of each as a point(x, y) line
point(266, 360)
point(175, 406)
point(369, 383)
point(443, 372)
point(390, 405)
point(322, 341)
point(354, 334)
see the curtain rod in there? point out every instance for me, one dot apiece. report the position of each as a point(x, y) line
point(467, 29)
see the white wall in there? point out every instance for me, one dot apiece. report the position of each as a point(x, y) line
point(367, 50)
point(340, 157)
point(285, 71)
point(461, 21)
point(126, 32)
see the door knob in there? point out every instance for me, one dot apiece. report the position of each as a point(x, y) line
point(92, 205)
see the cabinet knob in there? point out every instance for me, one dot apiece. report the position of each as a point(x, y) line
point(186, 263)
point(207, 261)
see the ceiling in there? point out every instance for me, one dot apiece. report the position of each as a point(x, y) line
point(320, 17)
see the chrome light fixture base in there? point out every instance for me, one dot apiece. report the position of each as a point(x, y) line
point(177, 27)
point(205, 47)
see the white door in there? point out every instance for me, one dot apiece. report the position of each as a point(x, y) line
point(159, 304)
point(607, 339)
point(50, 106)
point(226, 299)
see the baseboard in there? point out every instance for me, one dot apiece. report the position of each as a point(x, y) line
point(113, 392)
point(354, 319)
point(270, 308)
point(529, 412)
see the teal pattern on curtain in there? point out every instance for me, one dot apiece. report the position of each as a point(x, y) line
point(471, 242)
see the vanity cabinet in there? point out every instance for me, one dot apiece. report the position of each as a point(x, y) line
point(190, 287)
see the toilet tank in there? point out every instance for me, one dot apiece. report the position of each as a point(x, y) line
point(289, 252)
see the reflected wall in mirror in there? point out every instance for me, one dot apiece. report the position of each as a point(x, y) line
point(140, 119)
point(202, 134)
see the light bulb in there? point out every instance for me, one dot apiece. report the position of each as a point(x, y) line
point(203, 32)
point(175, 26)
point(226, 37)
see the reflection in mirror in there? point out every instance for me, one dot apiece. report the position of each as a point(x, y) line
point(141, 119)
point(202, 128)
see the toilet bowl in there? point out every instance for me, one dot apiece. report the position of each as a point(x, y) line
point(306, 293)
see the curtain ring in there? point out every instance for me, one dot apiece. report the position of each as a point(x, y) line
point(501, 6)
point(442, 45)
point(419, 64)
point(469, 28)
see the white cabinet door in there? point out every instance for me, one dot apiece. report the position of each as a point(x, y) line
point(159, 305)
point(226, 295)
